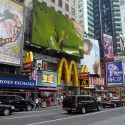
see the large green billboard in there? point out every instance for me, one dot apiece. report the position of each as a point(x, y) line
point(52, 29)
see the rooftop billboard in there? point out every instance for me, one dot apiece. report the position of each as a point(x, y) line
point(11, 32)
point(52, 29)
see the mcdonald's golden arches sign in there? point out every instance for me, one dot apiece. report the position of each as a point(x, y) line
point(68, 70)
point(27, 63)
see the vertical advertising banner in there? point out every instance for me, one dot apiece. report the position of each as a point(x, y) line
point(91, 56)
point(123, 65)
point(114, 73)
point(108, 47)
point(11, 32)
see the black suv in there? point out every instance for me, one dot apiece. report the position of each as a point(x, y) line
point(17, 101)
point(80, 103)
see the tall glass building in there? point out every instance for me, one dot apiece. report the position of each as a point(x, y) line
point(122, 7)
point(107, 20)
point(85, 16)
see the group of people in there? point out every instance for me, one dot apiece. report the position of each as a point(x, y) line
point(38, 102)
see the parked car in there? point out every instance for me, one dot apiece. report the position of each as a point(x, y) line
point(112, 102)
point(6, 109)
point(17, 101)
point(80, 103)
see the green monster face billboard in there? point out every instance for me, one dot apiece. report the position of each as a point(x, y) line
point(52, 29)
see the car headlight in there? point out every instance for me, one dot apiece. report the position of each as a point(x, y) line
point(12, 107)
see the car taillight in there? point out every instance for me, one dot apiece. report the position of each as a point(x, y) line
point(76, 104)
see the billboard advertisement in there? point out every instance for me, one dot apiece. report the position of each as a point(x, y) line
point(114, 73)
point(91, 56)
point(11, 32)
point(108, 47)
point(48, 79)
point(51, 29)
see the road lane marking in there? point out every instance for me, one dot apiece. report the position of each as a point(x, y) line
point(66, 118)
point(30, 116)
point(40, 111)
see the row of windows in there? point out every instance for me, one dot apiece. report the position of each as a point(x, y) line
point(60, 4)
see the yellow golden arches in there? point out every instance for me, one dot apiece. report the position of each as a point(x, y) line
point(84, 68)
point(28, 57)
point(68, 70)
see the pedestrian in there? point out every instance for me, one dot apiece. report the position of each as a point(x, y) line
point(36, 103)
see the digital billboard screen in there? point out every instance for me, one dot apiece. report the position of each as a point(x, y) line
point(11, 32)
point(108, 47)
point(56, 31)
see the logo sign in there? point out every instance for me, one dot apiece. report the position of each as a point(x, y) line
point(17, 83)
point(97, 81)
point(27, 65)
point(114, 73)
point(84, 83)
point(84, 76)
point(11, 32)
point(68, 70)
point(48, 79)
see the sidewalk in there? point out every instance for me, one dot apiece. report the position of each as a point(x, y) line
point(52, 106)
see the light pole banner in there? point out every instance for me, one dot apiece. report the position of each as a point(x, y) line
point(11, 32)
point(114, 73)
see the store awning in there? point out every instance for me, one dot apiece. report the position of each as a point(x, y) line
point(46, 88)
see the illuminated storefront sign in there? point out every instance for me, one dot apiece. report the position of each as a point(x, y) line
point(68, 70)
point(84, 76)
point(27, 64)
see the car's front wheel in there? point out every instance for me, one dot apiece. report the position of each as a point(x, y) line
point(6, 112)
point(83, 110)
point(69, 111)
point(29, 108)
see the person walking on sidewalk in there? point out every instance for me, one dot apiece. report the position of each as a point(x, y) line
point(36, 103)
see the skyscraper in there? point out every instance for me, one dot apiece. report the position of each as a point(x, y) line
point(122, 7)
point(85, 16)
point(107, 20)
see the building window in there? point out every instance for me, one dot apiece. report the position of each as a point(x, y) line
point(53, 7)
point(44, 3)
point(66, 7)
point(53, 1)
point(60, 3)
point(73, 2)
point(73, 11)
point(67, 15)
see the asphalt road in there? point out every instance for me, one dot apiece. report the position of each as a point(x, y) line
point(56, 116)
